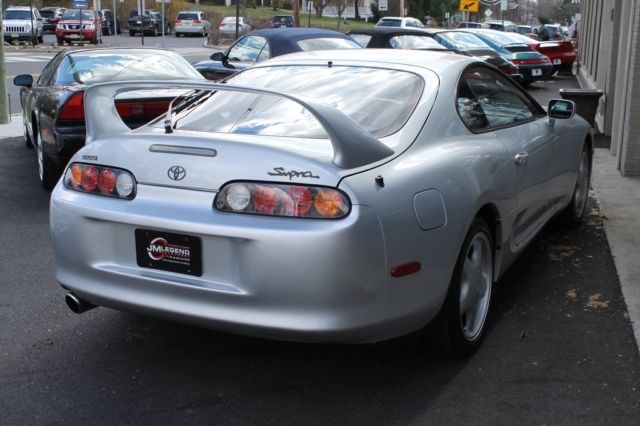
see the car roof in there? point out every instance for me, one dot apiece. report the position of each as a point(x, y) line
point(18, 7)
point(436, 61)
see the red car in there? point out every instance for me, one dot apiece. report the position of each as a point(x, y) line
point(561, 53)
point(76, 27)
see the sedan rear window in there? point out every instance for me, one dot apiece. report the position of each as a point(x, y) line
point(187, 16)
point(380, 100)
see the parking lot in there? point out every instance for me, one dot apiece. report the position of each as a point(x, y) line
point(559, 348)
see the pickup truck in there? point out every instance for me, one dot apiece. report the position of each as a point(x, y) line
point(149, 23)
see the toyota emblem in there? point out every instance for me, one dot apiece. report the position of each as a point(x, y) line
point(176, 173)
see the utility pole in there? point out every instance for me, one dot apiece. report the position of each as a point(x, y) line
point(4, 101)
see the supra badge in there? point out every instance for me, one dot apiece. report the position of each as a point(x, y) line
point(176, 173)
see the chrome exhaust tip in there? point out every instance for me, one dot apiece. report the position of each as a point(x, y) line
point(76, 304)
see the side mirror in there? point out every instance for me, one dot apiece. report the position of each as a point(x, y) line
point(218, 56)
point(561, 108)
point(24, 80)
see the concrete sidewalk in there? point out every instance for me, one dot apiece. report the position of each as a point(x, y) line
point(619, 200)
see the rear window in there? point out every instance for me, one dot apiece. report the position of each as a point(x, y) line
point(95, 67)
point(389, 23)
point(48, 13)
point(463, 41)
point(362, 39)
point(327, 43)
point(380, 100)
point(415, 42)
point(183, 15)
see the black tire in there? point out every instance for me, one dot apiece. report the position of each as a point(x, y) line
point(48, 170)
point(453, 332)
point(41, 39)
point(60, 41)
point(177, 35)
point(132, 33)
point(155, 31)
point(27, 139)
point(573, 215)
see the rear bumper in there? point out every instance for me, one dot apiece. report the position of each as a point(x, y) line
point(302, 280)
point(76, 35)
point(68, 140)
point(535, 72)
point(189, 29)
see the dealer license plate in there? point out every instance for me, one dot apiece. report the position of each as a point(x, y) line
point(557, 61)
point(536, 72)
point(169, 252)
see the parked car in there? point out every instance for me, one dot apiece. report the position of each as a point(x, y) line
point(395, 21)
point(260, 45)
point(22, 23)
point(192, 22)
point(531, 64)
point(228, 26)
point(150, 23)
point(507, 26)
point(466, 24)
point(395, 38)
point(50, 18)
point(79, 26)
point(305, 200)
point(52, 106)
point(527, 30)
point(283, 21)
point(110, 24)
point(468, 44)
point(560, 52)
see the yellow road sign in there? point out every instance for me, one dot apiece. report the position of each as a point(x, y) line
point(469, 6)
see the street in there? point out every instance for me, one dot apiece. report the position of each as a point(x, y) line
point(559, 347)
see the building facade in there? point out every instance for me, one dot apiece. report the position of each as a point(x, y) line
point(609, 60)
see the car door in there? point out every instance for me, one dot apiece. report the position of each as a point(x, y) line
point(499, 106)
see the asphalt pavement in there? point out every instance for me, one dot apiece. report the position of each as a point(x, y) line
point(560, 347)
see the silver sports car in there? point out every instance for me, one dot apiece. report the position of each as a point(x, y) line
point(324, 196)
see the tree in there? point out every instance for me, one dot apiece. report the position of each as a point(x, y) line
point(319, 6)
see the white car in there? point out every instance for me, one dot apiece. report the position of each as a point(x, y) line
point(228, 26)
point(192, 22)
point(395, 21)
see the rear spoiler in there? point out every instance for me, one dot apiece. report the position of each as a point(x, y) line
point(352, 145)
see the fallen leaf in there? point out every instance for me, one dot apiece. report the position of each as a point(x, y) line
point(595, 302)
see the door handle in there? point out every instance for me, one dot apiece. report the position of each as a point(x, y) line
point(521, 158)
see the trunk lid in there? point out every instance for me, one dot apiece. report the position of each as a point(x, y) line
point(206, 162)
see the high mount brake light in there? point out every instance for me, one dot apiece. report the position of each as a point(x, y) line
point(100, 180)
point(270, 199)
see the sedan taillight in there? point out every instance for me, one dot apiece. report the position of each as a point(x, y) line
point(100, 180)
point(268, 199)
point(73, 110)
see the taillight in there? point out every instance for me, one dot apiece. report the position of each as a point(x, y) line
point(129, 109)
point(312, 202)
point(536, 61)
point(100, 180)
point(197, 21)
point(73, 109)
point(178, 21)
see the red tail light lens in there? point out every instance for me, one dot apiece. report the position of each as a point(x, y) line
point(178, 21)
point(537, 61)
point(142, 108)
point(100, 180)
point(268, 199)
point(197, 21)
point(73, 109)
